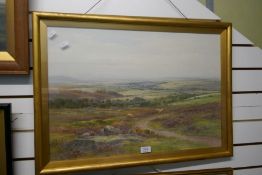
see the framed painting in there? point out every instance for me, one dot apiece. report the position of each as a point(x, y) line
point(14, 57)
point(221, 171)
point(5, 140)
point(114, 91)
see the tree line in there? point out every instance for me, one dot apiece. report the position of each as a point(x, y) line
point(106, 103)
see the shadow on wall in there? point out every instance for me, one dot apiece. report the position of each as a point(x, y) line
point(246, 18)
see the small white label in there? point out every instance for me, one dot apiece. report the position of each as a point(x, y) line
point(145, 149)
point(64, 45)
point(52, 34)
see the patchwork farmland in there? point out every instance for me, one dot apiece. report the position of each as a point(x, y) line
point(106, 119)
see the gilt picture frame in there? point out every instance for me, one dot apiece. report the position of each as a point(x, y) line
point(6, 167)
point(14, 59)
point(219, 171)
point(116, 91)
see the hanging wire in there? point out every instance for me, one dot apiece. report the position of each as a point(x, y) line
point(177, 9)
point(173, 5)
point(155, 169)
point(92, 7)
point(12, 121)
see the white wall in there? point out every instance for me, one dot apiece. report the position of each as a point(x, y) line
point(247, 87)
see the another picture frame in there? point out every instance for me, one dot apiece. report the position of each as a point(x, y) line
point(220, 171)
point(15, 60)
point(109, 92)
point(6, 165)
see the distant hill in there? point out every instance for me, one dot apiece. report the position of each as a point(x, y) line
point(63, 80)
point(140, 84)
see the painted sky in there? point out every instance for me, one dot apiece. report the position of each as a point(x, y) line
point(101, 55)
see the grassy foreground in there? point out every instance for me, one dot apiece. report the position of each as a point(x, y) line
point(117, 119)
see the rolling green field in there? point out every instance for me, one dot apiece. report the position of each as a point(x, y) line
point(2, 27)
point(106, 119)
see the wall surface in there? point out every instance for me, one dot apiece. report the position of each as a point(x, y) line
point(247, 90)
point(245, 16)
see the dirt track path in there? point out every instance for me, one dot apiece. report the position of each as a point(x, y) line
point(144, 124)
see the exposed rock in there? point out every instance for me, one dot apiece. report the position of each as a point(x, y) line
point(110, 130)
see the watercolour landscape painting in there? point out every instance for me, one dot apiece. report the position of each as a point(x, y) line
point(3, 35)
point(128, 89)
